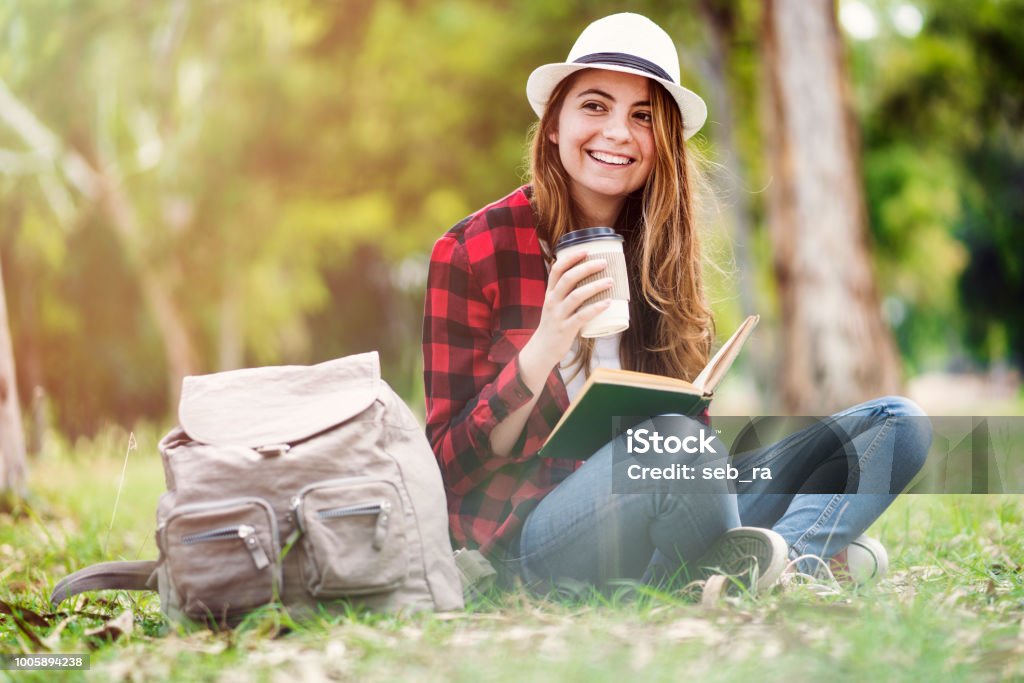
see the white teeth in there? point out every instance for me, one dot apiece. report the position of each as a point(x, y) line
point(611, 158)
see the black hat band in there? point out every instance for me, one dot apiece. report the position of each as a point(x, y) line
point(627, 60)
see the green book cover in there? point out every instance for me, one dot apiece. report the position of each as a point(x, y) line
point(588, 423)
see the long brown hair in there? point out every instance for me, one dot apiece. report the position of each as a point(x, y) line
point(671, 326)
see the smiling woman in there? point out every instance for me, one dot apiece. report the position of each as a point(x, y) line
point(502, 344)
point(604, 139)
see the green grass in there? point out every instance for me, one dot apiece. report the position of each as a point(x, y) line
point(952, 609)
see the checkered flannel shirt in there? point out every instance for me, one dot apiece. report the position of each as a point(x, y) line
point(485, 292)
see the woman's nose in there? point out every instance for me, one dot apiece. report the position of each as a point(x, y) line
point(616, 128)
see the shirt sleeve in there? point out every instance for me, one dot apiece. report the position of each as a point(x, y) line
point(465, 397)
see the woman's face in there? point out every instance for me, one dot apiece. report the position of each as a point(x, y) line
point(604, 137)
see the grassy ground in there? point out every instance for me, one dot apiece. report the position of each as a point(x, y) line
point(952, 609)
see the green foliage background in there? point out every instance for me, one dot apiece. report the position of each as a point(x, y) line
point(292, 162)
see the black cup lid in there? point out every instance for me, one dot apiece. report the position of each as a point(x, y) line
point(586, 235)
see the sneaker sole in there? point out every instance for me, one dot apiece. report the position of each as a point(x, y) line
point(743, 551)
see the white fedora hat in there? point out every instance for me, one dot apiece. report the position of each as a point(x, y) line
point(626, 42)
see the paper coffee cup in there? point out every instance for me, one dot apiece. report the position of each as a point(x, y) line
point(604, 244)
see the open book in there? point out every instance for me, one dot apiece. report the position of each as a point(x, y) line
point(587, 424)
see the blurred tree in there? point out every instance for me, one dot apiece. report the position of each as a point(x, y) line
point(89, 161)
point(278, 169)
point(211, 170)
point(12, 439)
point(942, 101)
point(154, 218)
point(836, 348)
point(724, 23)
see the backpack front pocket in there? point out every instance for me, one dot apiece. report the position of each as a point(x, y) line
point(353, 535)
point(222, 556)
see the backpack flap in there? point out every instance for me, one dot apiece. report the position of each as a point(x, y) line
point(264, 407)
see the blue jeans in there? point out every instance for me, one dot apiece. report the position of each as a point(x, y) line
point(584, 531)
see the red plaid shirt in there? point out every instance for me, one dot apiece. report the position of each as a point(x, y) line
point(485, 292)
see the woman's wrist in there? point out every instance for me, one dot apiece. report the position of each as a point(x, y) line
point(536, 361)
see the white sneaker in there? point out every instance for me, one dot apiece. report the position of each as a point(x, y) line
point(863, 561)
point(747, 557)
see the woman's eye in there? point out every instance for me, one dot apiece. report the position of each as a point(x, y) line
point(644, 116)
point(593, 106)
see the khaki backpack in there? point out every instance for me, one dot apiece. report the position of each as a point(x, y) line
point(305, 485)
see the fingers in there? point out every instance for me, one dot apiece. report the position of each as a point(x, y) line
point(564, 310)
point(572, 312)
point(563, 264)
point(564, 280)
point(578, 296)
point(587, 313)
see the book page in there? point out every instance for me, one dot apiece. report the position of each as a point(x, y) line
point(715, 370)
point(637, 379)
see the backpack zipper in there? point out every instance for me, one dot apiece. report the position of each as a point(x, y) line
point(381, 509)
point(245, 532)
point(353, 510)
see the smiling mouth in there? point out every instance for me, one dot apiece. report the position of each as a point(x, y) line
point(610, 159)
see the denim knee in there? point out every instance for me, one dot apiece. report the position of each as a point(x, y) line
point(901, 406)
point(913, 437)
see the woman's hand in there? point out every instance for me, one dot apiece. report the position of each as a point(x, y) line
point(562, 316)
point(560, 322)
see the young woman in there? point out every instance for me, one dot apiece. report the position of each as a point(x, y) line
point(503, 357)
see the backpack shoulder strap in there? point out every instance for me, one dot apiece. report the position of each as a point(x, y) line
point(121, 575)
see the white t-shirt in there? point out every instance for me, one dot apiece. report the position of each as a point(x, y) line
point(606, 355)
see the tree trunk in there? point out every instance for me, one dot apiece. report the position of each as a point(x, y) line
point(12, 439)
point(720, 22)
point(836, 349)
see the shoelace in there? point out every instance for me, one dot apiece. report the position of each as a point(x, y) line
point(822, 583)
